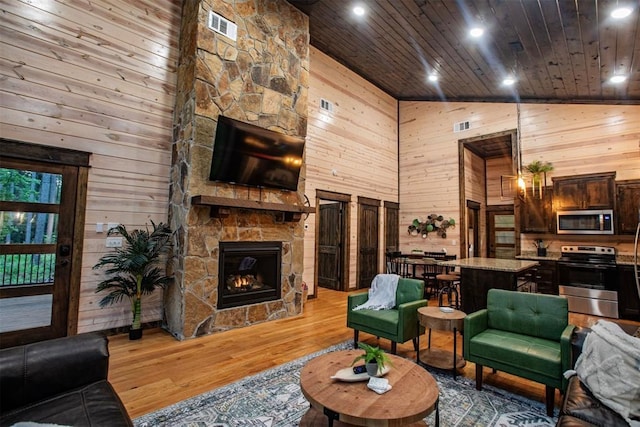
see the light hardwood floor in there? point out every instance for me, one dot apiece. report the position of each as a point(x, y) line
point(159, 370)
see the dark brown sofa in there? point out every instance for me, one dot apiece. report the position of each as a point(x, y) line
point(579, 406)
point(61, 381)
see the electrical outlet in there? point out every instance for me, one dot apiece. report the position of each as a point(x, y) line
point(114, 242)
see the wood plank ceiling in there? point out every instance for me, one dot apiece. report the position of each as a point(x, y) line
point(558, 50)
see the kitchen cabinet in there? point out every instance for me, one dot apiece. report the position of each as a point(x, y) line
point(627, 206)
point(593, 191)
point(628, 300)
point(537, 213)
point(547, 277)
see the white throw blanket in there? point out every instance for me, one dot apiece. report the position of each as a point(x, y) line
point(382, 294)
point(610, 366)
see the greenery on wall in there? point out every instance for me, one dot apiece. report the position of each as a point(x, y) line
point(433, 223)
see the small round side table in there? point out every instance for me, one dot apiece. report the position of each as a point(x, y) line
point(434, 318)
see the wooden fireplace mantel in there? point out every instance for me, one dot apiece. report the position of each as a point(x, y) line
point(221, 207)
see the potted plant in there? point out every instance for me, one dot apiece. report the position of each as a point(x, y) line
point(537, 169)
point(374, 358)
point(135, 269)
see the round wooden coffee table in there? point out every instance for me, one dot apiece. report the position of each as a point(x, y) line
point(434, 318)
point(414, 394)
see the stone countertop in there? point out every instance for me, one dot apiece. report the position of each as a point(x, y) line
point(555, 256)
point(551, 256)
point(495, 264)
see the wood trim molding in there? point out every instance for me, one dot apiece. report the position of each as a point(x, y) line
point(331, 195)
point(368, 201)
point(57, 155)
point(391, 205)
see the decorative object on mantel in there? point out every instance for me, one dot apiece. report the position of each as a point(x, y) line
point(541, 247)
point(538, 171)
point(135, 269)
point(433, 222)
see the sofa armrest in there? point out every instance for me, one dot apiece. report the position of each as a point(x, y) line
point(408, 319)
point(33, 372)
point(565, 352)
point(355, 300)
point(474, 323)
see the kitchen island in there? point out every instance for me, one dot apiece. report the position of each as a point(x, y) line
point(478, 275)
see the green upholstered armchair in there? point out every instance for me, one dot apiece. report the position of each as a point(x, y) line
point(399, 324)
point(523, 334)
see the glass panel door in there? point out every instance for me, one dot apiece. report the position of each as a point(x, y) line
point(34, 264)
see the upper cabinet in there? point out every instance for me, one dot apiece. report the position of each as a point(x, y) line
point(628, 205)
point(593, 191)
point(537, 213)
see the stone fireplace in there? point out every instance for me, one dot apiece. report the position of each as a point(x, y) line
point(249, 273)
point(261, 78)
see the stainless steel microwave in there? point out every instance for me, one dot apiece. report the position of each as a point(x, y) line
point(585, 222)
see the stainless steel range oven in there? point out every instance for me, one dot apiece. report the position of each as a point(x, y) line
point(588, 277)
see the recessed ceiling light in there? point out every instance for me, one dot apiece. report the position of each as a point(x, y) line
point(618, 78)
point(509, 81)
point(621, 12)
point(476, 32)
point(358, 10)
point(433, 78)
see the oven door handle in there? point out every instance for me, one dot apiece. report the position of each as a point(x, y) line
point(585, 265)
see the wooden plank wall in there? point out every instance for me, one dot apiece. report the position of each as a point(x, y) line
point(577, 139)
point(429, 162)
point(353, 150)
point(100, 77)
point(581, 139)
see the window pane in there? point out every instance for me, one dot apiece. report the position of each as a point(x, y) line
point(29, 186)
point(28, 227)
point(27, 269)
point(505, 237)
point(13, 317)
point(505, 221)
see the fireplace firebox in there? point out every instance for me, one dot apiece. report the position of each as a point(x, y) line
point(249, 273)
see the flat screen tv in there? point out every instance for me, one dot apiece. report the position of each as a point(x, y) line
point(246, 154)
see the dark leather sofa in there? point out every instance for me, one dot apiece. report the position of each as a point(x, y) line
point(61, 381)
point(579, 406)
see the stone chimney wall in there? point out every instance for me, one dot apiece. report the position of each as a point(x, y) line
point(261, 78)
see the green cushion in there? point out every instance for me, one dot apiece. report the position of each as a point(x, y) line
point(536, 315)
point(409, 290)
point(381, 320)
point(522, 352)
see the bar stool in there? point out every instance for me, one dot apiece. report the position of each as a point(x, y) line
point(448, 283)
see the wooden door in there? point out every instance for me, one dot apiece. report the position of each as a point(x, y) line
point(329, 245)
point(391, 227)
point(628, 206)
point(38, 250)
point(367, 241)
point(501, 230)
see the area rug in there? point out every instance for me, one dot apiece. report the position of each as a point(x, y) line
point(273, 399)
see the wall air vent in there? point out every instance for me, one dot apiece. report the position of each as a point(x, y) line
point(326, 105)
point(223, 26)
point(461, 126)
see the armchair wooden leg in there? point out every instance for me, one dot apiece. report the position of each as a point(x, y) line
point(550, 393)
point(478, 377)
point(394, 347)
point(356, 334)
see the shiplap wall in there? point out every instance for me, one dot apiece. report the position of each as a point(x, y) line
point(577, 139)
point(352, 150)
point(429, 162)
point(100, 77)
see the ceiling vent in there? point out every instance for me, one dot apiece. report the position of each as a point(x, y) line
point(461, 126)
point(223, 26)
point(326, 105)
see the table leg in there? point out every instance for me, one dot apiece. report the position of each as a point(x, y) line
point(418, 345)
point(438, 412)
point(429, 340)
point(454, 353)
point(331, 415)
